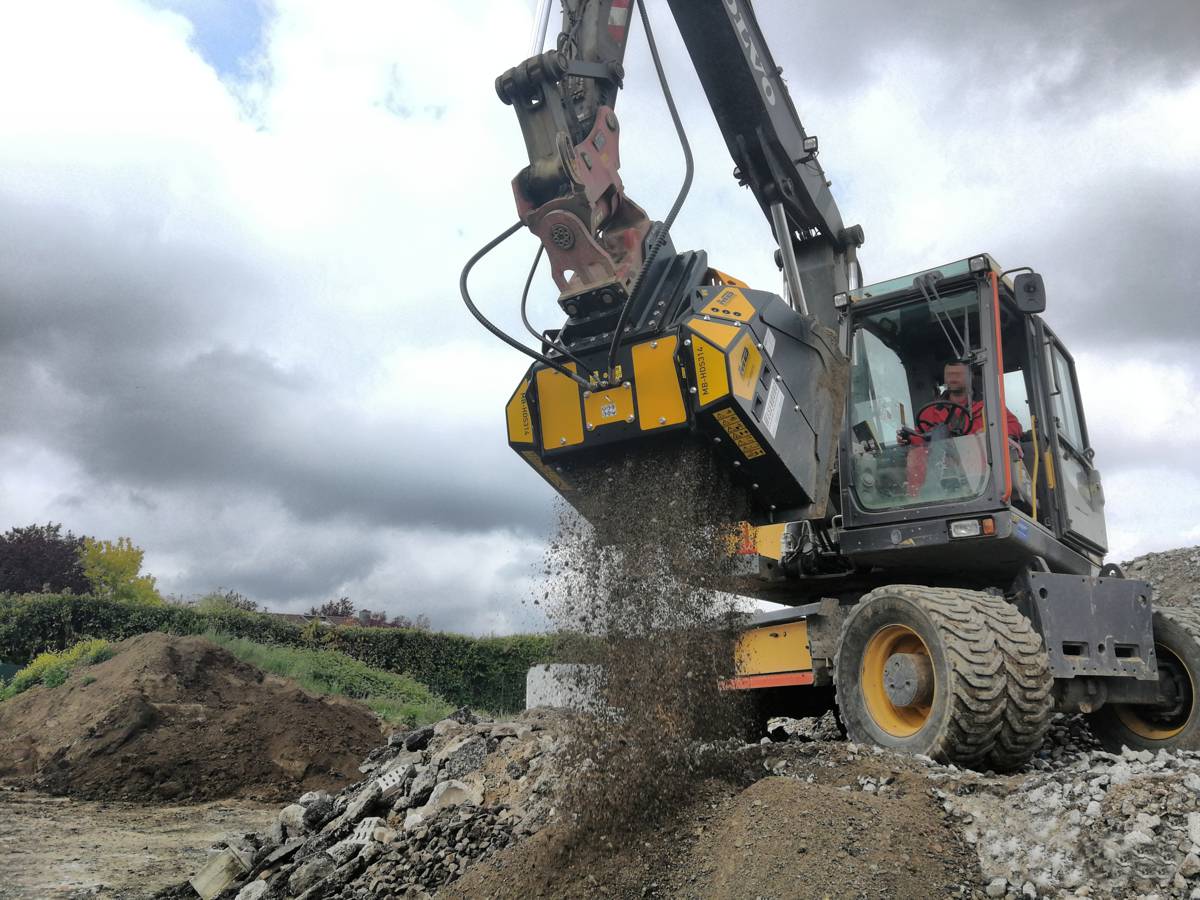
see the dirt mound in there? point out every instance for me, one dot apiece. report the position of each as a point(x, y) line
point(171, 718)
point(812, 830)
point(1174, 574)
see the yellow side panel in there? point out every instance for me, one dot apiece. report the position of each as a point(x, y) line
point(562, 421)
point(730, 303)
point(773, 648)
point(768, 540)
point(607, 407)
point(717, 332)
point(659, 392)
point(712, 380)
point(520, 426)
point(745, 362)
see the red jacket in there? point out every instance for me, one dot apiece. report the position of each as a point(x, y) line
point(940, 414)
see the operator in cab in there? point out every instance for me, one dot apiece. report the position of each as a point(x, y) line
point(954, 413)
point(956, 409)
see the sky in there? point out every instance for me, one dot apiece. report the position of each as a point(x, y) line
point(229, 319)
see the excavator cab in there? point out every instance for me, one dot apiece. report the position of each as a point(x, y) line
point(996, 463)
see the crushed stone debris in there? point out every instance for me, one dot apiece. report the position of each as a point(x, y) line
point(1077, 822)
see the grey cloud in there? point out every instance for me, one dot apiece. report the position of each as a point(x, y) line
point(1080, 54)
point(130, 347)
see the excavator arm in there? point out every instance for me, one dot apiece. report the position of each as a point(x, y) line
point(657, 345)
point(773, 155)
point(565, 101)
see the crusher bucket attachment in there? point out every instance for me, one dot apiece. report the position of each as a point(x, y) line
point(701, 359)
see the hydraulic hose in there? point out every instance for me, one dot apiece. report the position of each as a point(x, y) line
point(541, 337)
point(658, 238)
point(483, 320)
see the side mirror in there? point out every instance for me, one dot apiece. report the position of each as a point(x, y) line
point(1030, 292)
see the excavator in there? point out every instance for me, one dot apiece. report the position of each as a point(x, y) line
point(924, 500)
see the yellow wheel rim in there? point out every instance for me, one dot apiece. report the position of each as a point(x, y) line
point(898, 721)
point(1139, 720)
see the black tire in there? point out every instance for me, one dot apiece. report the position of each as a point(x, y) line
point(967, 705)
point(1029, 684)
point(1177, 647)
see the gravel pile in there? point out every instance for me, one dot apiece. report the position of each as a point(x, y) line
point(1174, 574)
point(434, 800)
point(1096, 824)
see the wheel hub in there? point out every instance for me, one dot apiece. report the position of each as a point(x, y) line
point(897, 680)
point(908, 679)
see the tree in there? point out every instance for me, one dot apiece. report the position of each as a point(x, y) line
point(41, 558)
point(215, 601)
point(342, 606)
point(419, 623)
point(114, 571)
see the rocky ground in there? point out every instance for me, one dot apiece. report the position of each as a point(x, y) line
point(467, 809)
point(1174, 574)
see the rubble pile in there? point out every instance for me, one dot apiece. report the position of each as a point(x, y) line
point(1077, 822)
point(1174, 574)
point(434, 799)
point(1094, 824)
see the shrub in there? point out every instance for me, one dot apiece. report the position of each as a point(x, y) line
point(52, 667)
point(398, 699)
point(486, 673)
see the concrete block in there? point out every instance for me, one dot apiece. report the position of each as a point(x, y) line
point(221, 870)
point(364, 833)
point(392, 782)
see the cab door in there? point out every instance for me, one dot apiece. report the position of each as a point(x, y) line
point(1079, 496)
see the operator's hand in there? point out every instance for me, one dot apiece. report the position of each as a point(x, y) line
point(905, 435)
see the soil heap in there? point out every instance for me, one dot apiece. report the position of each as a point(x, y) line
point(170, 718)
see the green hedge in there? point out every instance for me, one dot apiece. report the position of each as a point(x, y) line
point(486, 673)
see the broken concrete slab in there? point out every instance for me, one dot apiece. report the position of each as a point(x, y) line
point(462, 756)
point(221, 870)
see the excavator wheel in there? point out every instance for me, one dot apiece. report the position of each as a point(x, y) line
point(919, 670)
point(1176, 725)
point(1028, 685)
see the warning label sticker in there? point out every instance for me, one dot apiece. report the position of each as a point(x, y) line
point(773, 409)
point(769, 342)
point(739, 433)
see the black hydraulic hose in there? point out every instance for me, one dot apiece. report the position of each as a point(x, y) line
point(482, 319)
point(541, 337)
point(537, 258)
point(659, 237)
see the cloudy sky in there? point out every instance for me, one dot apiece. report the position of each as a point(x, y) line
point(232, 231)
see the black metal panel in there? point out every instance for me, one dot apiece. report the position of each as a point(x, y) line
point(1092, 626)
point(921, 546)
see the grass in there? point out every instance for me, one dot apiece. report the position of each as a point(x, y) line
point(399, 700)
point(52, 668)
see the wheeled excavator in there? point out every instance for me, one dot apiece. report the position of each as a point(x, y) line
point(939, 553)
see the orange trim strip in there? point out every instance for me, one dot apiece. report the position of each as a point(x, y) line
point(750, 682)
point(1003, 404)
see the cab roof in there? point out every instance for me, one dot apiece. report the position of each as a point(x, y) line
point(905, 282)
